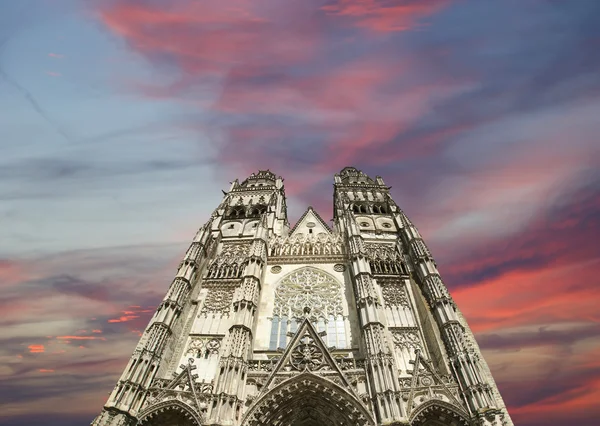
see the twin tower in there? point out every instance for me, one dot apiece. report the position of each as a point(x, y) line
point(310, 325)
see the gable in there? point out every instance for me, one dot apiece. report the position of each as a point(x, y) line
point(307, 352)
point(310, 223)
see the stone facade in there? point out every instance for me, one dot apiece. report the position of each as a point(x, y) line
point(265, 324)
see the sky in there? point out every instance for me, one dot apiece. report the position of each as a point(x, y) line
point(122, 120)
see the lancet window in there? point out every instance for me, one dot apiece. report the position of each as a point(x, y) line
point(385, 260)
point(230, 262)
point(237, 212)
point(366, 208)
point(256, 210)
point(321, 294)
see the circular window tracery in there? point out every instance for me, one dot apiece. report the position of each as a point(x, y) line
point(310, 288)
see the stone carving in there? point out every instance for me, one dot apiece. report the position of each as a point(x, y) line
point(263, 365)
point(406, 338)
point(202, 347)
point(166, 394)
point(306, 355)
point(230, 262)
point(385, 259)
point(395, 294)
point(310, 245)
point(308, 287)
point(339, 267)
point(218, 300)
point(267, 361)
point(419, 249)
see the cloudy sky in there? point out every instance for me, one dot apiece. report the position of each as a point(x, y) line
point(122, 120)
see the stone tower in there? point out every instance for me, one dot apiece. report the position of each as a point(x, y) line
point(313, 325)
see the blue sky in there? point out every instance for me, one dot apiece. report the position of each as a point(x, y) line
point(122, 121)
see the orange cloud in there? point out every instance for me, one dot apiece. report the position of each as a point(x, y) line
point(36, 349)
point(96, 331)
point(80, 338)
point(123, 318)
point(46, 370)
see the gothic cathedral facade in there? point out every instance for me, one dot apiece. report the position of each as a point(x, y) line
point(313, 325)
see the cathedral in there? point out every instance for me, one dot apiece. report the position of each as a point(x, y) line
point(348, 324)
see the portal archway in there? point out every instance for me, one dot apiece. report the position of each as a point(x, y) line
point(308, 400)
point(170, 413)
point(438, 413)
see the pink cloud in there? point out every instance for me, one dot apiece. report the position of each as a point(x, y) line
point(385, 16)
point(53, 74)
point(12, 272)
point(209, 37)
point(56, 55)
point(542, 296)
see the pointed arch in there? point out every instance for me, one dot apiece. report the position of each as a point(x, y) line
point(308, 399)
point(436, 412)
point(173, 411)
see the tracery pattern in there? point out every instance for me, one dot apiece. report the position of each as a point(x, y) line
point(395, 295)
point(230, 262)
point(301, 245)
point(406, 339)
point(218, 300)
point(313, 289)
point(310, 288)
point(307, 355)
point(202, 347)
point(385, 259)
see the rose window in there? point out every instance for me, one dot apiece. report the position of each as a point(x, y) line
point(313, 289)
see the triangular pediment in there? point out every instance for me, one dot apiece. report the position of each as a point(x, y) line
point(307, 352)
point(427, 384)
point(182, 387)
point(310, 223)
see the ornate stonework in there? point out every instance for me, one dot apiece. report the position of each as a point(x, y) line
point(332, 324)
point(218, 300)
point(308, 288)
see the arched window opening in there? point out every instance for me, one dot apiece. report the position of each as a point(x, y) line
point(308, 287)
point(237, 212)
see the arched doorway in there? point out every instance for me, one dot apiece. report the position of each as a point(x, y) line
point(169, 413)
point(308, 400)
point(438, 413)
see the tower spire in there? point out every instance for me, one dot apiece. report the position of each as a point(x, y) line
point(350, 325)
